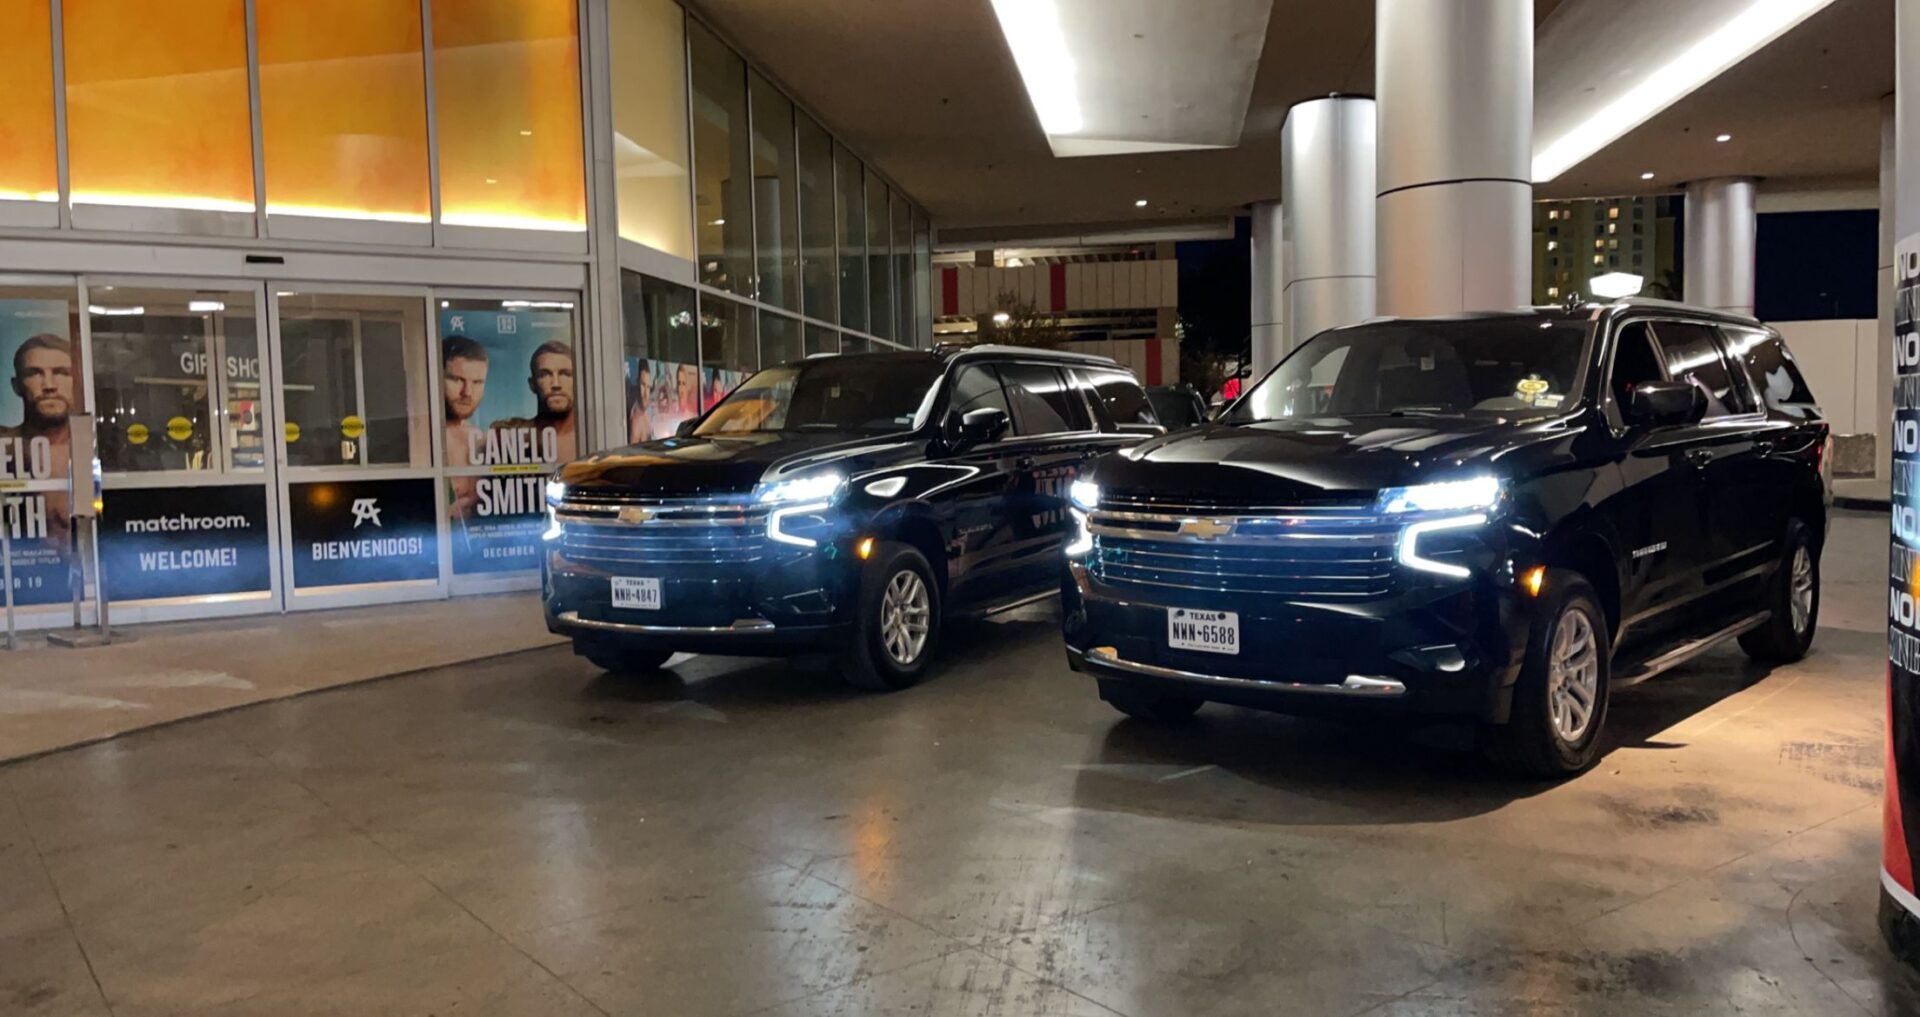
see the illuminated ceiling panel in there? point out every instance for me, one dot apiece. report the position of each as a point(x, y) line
point(1604, 67)
point(1109, 77)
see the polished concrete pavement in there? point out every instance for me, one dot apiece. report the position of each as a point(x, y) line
point(527, 836)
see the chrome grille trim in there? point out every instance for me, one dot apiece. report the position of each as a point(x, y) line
point(1333, 555)
point(679, 531)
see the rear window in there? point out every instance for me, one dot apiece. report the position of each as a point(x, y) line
point(1771, 368)
point(1043, 403)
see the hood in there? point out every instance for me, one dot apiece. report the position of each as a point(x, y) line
point(1283, 460)
point(727, 464)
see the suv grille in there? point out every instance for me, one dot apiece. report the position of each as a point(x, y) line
point(616, 531)
point(1335, 550)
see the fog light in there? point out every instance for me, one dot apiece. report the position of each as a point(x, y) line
point(1534, 579)
point(864, 549)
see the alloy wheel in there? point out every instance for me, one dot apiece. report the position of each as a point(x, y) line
point(904, 617)
point(1800, 590)
point(1573, 675)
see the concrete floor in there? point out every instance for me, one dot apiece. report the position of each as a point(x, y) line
point(526, 836)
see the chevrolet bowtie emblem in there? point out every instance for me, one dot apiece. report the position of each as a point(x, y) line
point(1205, 529)
point(635, 514)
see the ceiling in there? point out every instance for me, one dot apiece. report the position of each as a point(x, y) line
point(927, 90)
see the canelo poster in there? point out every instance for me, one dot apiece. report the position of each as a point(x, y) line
point(1900, 907)
point(663, 394)
point(508, 383)
point(37, 352)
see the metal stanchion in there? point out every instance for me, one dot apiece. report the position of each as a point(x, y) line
point(85, 504)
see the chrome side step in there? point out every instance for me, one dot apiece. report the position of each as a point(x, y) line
point(1687, 651)
point(987, 612)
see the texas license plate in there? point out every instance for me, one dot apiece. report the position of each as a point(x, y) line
point(1205, 631)
point(636, 594)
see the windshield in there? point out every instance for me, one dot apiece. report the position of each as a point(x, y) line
point(864, 394)
point(1511, 367)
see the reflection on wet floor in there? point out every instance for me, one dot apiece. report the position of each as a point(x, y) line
point(528, 836)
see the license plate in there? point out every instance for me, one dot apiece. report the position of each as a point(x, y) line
point(637, 594)
point(1205, 631)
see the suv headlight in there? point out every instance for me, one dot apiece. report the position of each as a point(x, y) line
point(1084, 494)
point(1473, 493)
point(800, 502)
point(1442, 507)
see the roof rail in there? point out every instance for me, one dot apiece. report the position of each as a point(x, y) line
point(1003, 349)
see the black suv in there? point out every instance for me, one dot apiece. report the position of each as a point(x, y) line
point(837, 503)
point(1497, 517)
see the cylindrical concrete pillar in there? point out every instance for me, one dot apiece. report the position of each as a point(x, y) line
point(1455, 87)
point(1720, 244)
point(1269, 286)
point(1327, 149)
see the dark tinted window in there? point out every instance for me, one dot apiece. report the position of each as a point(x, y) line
point(1634, 361)
point(1772, 370)
point(1125, 401)
point(976, 388)
point(1692, 354)
point(1177, 406)
point(1042, 402)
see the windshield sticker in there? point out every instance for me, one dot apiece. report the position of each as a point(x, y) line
point(1549, 400)
point(1532, 389)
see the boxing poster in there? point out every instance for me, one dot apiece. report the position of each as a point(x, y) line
point(38, 356)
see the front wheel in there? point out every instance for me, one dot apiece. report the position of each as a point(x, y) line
point(1793, 598)
point(897, 624)
point(1560, 700)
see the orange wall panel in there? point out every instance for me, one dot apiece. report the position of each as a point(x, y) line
point(343, 108)
point(507, 113)
point(157, 103)
point(28, 163)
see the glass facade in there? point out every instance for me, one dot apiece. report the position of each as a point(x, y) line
point(650, 124)
point(30, 171)
point(343, 109)
point(507, 110)
point(387, 347)
point(158, 104)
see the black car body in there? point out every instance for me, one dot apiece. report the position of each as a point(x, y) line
point(779, 521)
point(1402, 511)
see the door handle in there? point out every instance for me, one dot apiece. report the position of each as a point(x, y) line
point(1023, 463)
point(1699, 457)
point(1763, 447)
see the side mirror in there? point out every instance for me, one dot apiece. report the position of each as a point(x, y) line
point(684, 429)
point(988, 423)
point(1653, 403)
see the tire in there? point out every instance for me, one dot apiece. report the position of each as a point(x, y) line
point(1788, 634)
point(1148, 705)
point(899, 601)
point(621, 660)
point(1533, 742)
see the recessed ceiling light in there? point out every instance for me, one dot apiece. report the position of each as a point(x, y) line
point(1754, 26)
point(1140, 203)
point(1724, 138)
point(1646, 176)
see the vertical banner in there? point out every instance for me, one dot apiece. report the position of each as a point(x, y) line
point(37, 356)
point(1901, 832)
point(508, 379)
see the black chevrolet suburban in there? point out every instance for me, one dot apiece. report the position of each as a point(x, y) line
point(840, 503)
point(1495, 517)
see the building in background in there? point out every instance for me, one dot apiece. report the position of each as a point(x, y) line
point(1117, 301)
point(1573, 241)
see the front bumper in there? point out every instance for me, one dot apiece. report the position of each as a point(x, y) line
point(1436, 647)
point(791, 601)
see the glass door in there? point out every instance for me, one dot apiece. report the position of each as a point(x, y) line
point(363, 518)
point(186, 527)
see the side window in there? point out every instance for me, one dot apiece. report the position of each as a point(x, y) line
point(1692, 353)
point(1634, 361)
point(1125, 400)
point(976, 387)
point(1042, 402)
point(1770, 367)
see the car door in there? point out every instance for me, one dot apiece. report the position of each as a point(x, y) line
point(1057, 435)
point(1787, 431)
point(979, 507)
point(1659, 512)
point(1725, 453)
